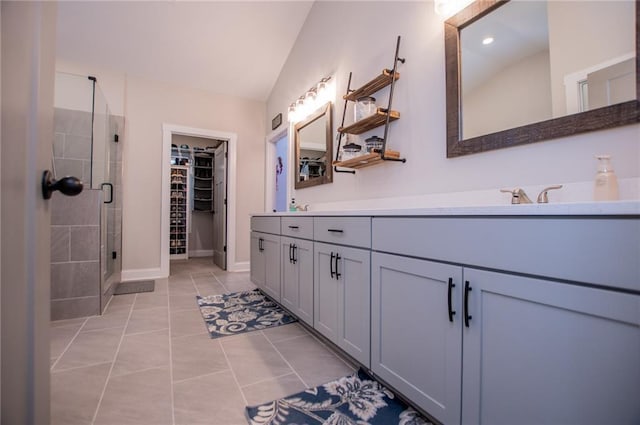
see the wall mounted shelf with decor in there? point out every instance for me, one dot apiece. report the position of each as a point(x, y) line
point(381, 117)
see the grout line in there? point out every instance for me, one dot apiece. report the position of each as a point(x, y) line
point(78, 367)
point(332, 351)
point(226, 290)
point(101, 329)
point(113, 362)
point(289, 338)
point(268, 379)
point(205, 333)
point(285, 360)
point(235, 378)
point(148, 332)
point(179, 381)
point(69, 344)
point(140, 371)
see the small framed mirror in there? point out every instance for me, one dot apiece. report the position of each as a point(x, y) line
point(314, 149)
point(519, 72)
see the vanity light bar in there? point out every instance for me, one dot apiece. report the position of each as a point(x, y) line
point(311, 100)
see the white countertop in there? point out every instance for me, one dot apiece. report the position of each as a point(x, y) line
point(613, 208)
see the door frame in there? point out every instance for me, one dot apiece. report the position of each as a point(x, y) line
point(269, 166)
point(168, 130)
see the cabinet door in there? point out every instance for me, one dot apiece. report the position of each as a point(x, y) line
point(353, 272)
point(271, 251)
point(290, 286)
point(304, 263)
point(542, 352)
point(342, 289)
point(257, 263)
point(325, 287)
point(297, 277)
point(415, 346)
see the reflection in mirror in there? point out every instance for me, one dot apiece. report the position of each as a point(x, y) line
point(314, 149)
point(524, 71)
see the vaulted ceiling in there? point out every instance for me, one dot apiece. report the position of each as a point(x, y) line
point(228, 47)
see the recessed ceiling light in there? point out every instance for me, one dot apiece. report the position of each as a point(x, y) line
point(487, 40)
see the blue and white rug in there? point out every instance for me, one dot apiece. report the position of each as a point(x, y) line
point(238, 312)
point(356, 399)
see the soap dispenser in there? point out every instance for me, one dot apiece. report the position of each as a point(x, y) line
point(605, 186)
point(292, 205)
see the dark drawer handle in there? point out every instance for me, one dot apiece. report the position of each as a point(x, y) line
point(451, 286)
point(335, 230)
point(260, 247)
point(333, 274)
point(295, 254)
point(338, 257)
point(467, 316)
point(294, 227)
point(290, 253)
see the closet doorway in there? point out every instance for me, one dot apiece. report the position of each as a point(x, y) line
point(207, 226)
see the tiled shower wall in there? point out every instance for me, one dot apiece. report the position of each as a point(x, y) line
point(76, 269)
point(75, 254)
point(72, 144)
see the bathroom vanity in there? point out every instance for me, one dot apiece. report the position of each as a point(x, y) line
point(498, 315)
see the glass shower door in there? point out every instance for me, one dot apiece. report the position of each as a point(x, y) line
point(105, 175)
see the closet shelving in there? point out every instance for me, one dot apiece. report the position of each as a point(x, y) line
point(203, 182)
point(179, 217)
point(382, 117)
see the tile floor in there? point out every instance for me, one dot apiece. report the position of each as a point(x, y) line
point(149, 358)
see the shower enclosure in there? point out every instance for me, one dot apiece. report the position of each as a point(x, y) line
point(86, 240)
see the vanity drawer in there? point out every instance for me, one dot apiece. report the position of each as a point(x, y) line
point(601, 251)
point(354, 231)
point(266, 224)
point(297, 227)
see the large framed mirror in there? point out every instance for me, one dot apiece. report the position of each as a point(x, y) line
point(519, 72)
point(314, 149)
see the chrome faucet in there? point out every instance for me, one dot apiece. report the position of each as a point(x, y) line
point(518, 196)
point(543, 198)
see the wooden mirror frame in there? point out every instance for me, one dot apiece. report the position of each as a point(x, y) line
point(324, 110)
point(607, 117)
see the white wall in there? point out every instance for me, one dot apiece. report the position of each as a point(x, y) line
point(339, 37)
point(146, 105)
point(490, 107)
point(149, 104)
point(575, 45)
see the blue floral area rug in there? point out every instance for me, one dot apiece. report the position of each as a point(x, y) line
point(238, 312)
point(356, 399)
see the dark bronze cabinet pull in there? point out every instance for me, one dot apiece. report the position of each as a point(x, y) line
point(337, 259)
point(333, 274)
point(467, 316)
point(294, 227)
point(335, 230)
point(294, 257)
point(450, 290)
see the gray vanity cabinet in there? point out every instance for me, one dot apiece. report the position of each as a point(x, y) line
point(265, 263)
point(543, 349)
point(265, 255)
point(297, 277)
point(342, 297)
point(416, 343)
point(543, 352)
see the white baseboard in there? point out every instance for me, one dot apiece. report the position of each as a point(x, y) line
point(201, 253)
point(142, 274)
point(239, 267)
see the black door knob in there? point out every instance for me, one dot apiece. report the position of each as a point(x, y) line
point(70, 186)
